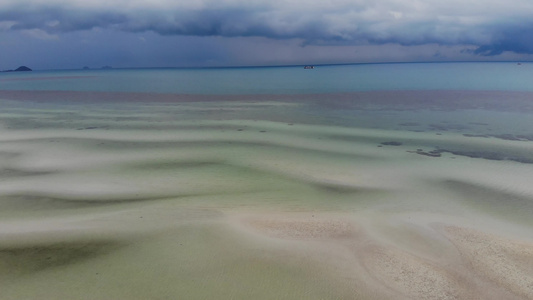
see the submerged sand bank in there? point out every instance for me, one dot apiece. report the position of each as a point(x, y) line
point(160, 250)
point(153, 201)
point(448, 100)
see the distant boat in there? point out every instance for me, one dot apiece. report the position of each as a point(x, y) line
point(519, 64)
point(309, 67)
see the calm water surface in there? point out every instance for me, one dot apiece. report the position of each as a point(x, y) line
point(283, 80)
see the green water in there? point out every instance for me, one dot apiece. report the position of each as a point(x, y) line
point(137, 195)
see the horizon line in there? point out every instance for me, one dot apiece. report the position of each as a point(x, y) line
point(107, 68)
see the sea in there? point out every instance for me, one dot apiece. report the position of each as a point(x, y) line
point(501, 76)
point(131, 180)
point(474, 99)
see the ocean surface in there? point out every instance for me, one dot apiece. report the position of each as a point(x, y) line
point(506, 76)
point(268, 182)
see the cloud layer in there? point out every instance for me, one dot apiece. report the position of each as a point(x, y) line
point(493, 27)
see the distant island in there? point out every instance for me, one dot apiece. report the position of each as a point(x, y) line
point(19, 69)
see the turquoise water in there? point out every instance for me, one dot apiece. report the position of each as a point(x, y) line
point(283, 80)
point(267, 183)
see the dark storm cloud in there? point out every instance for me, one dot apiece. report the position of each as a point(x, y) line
point(340, 23)
point(515, 38)
point(57, 19)
point(227, 22)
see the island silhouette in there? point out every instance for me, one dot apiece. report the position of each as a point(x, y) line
point(19, 69)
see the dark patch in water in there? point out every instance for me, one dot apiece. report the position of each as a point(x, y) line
point(475, 135)
point(409, 124)
point(166, 165)
point(447, 127)
point(88, 128)
point(392, 143)
point(30, 259)
point(525, 137)
point(10, 173)
point(337, 188)
point(490, 155)
point(517, 208)
point(512, 137)
point(506, 136)
point(39, 203)
point(433, 153)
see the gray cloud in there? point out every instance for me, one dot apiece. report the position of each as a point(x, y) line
point(489, 25)
point(514, 38)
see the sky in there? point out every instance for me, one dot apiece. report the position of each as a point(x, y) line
point(71, 34)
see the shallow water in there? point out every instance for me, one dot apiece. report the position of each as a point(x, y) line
point(340, 194)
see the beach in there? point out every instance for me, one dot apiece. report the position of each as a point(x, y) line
point(353, 195)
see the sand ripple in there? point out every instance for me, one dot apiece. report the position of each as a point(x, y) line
point(409, 275)
point(222, 194)
point(502, 261)
point(302, 229)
